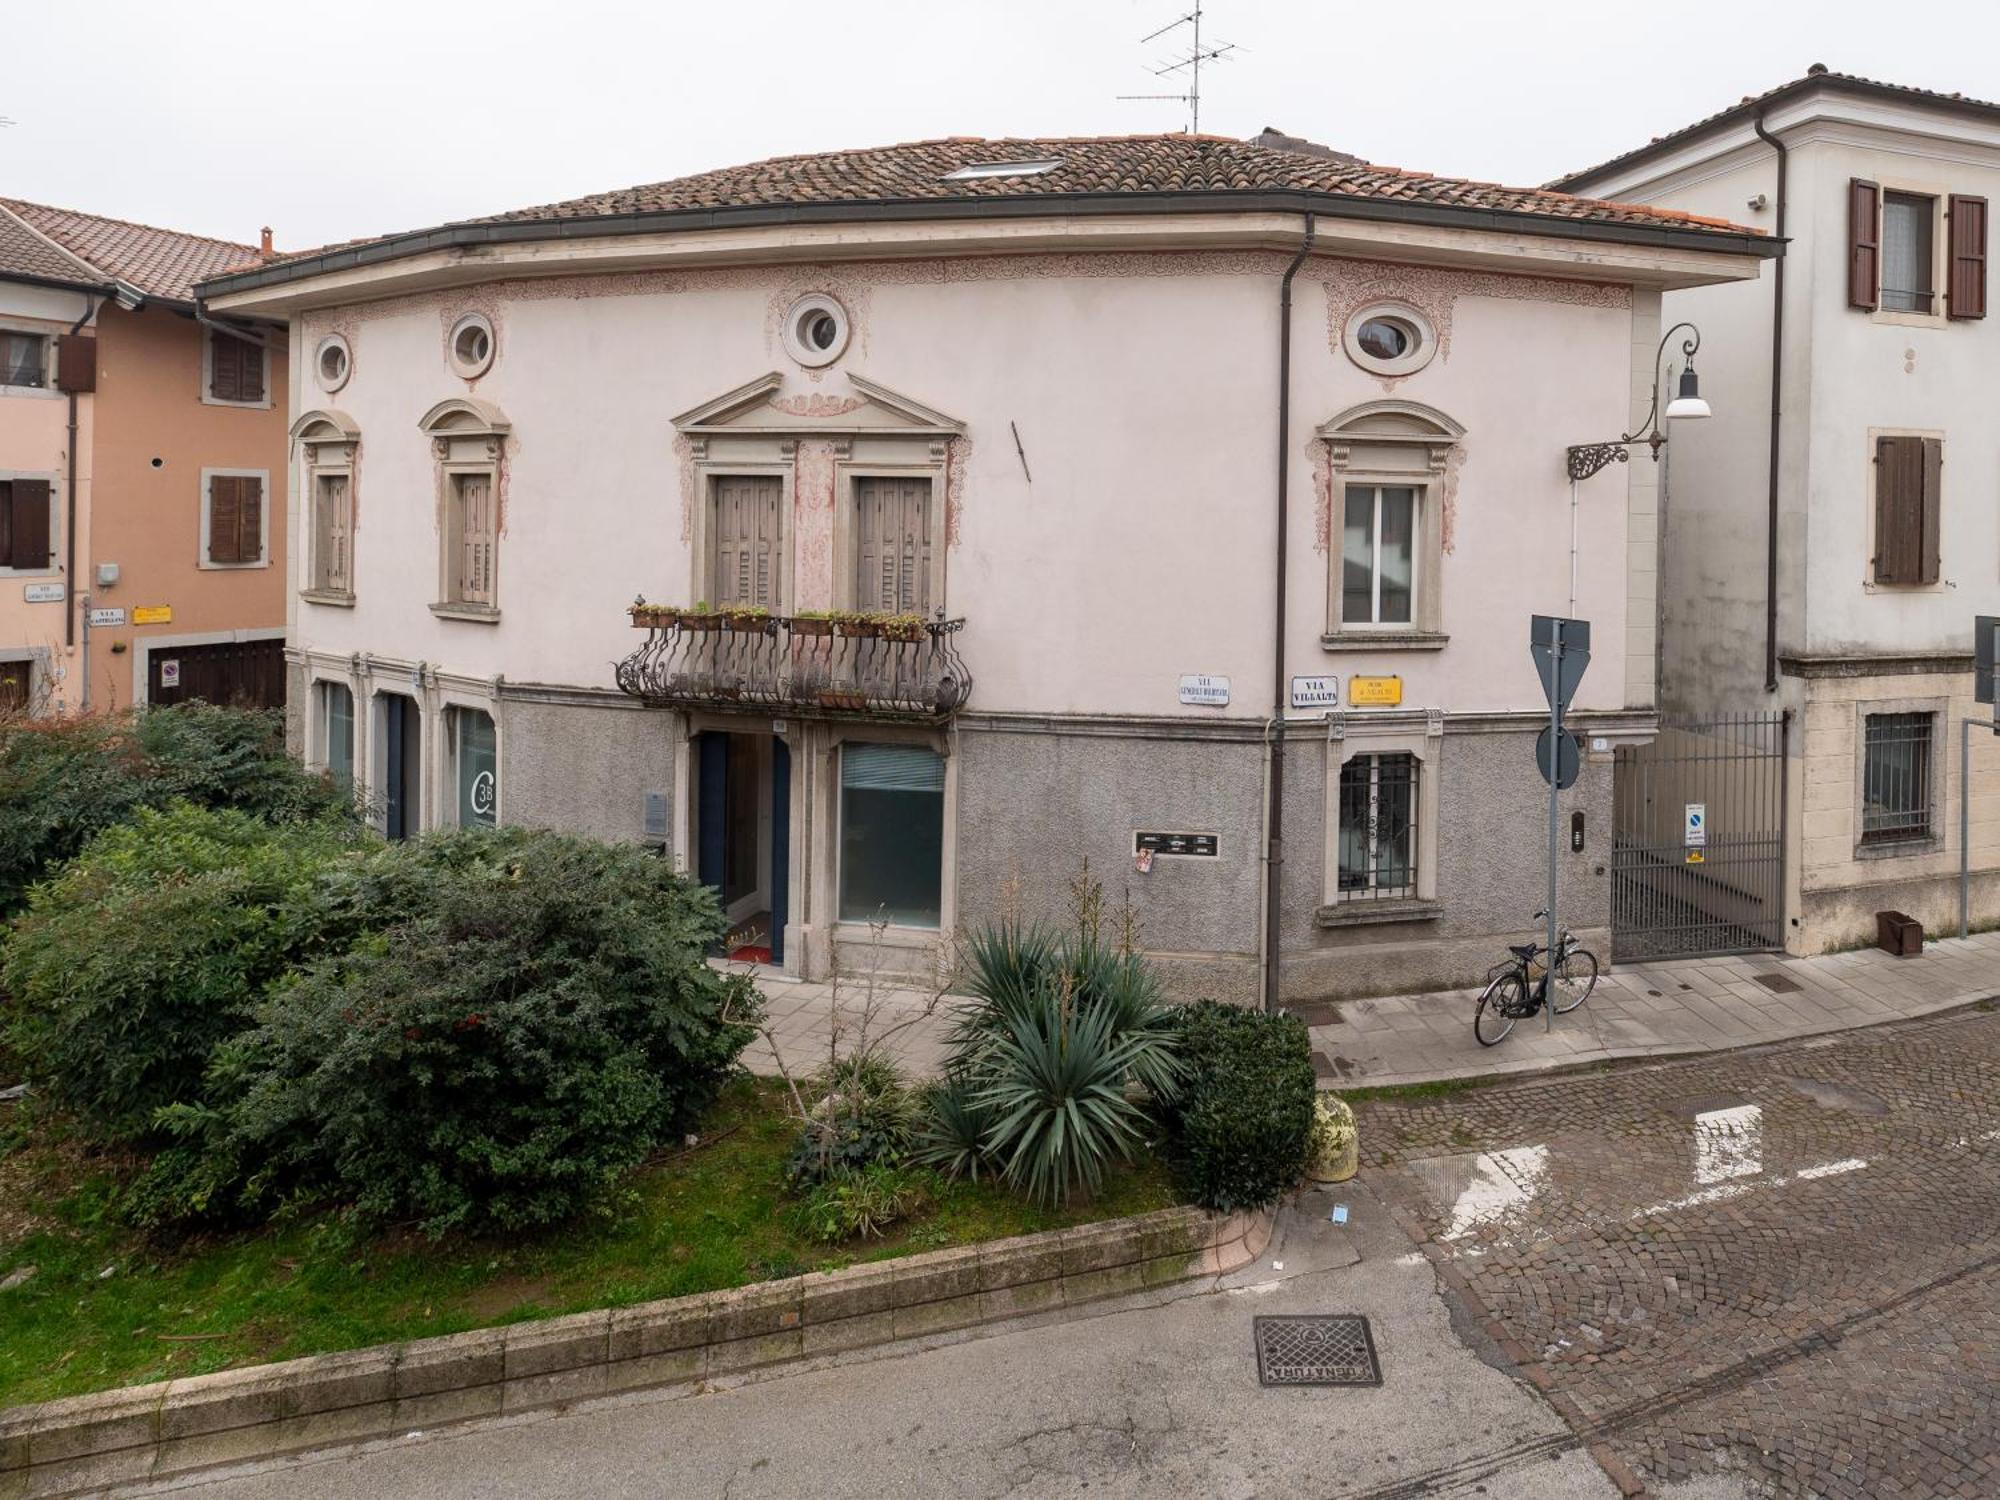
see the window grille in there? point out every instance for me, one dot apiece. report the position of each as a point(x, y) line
point(1378, 828)
point(1896, 778)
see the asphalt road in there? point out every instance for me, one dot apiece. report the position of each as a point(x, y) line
point(1762, 1274)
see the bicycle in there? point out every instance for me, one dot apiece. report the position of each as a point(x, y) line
point(1520, 989)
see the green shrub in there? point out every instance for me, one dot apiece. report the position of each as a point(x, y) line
point(859, 1204)
point(522, 1019)
point(863, 1114)
point(1241, 1127)
point(63, 781)
point(148, 951)
point(952, 1134)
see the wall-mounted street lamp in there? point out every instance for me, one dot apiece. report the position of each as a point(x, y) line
point(1586, 459)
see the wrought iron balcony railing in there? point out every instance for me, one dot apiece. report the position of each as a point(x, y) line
point(806, 667)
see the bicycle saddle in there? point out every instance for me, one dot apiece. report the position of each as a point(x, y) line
point(1524, 950)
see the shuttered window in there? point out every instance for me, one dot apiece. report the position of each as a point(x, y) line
point(1908, 253)
point(235, 368)
point(235, 519)
point(473, 540)
point(892, 545)
point(743, 541)
point(1908, 483)
point(24, 524)
point(333, 526)
point(1965, 278)
point(1864, 243)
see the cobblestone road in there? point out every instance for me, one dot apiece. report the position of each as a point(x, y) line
point(1783, 1266)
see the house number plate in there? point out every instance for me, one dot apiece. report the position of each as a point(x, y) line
point(1196, 845)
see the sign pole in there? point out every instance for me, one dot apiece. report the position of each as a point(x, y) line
point(1965, 827)
point(1555, 747)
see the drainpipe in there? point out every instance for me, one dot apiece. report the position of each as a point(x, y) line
point(69, 525)
point(1777, 416)
point(1274, 856)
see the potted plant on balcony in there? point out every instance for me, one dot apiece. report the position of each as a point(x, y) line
point(750, 619)
point(699, 616)
point(816, 623)
point(652, 616)
point(855, 624)
point(900, 627)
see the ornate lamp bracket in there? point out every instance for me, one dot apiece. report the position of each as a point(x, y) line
point(1586, 459)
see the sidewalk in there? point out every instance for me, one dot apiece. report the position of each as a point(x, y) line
point(1639, 1010)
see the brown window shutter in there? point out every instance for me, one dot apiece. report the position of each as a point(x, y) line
point(1864, 244)
point(6, 523)
point(892, 545)
point(221, 367)
point(1965, 281)
point(249, 371)
point(1899, 509)
point(743, 551)
point(224, 519)
point(76, 362)
point(1930, 527)
point(249, 520)
point(28, 523)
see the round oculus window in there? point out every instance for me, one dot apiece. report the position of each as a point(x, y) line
point(333, 362)
point(816, 330)
point(471, 345)
point(1390, 340)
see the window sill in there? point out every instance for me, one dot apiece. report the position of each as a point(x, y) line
point(216, 567)
point(1908, 847)
point(1374, 913)
point(43, 392)
point(236, 405)
point(1384, 640)
point(338, 598)
point(476, 614)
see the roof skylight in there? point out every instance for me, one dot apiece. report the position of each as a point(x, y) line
point(974, 171)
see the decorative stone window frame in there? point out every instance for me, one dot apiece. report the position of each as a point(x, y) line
point(470, 369)
point(1943, 766)
point(857, 937)
point(328, 442)
point(701, 586)
point(467, 437)
point(208, 337)
point(53, 479)
point(1349, 735)
point(846, 528)
point(332, 343)
point(263, 560)
point(1402, 312)
point(451, 698)
point(1391, 443)
point(792, 331)
point(1938, 316)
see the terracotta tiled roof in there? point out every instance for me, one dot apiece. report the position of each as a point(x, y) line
point(159, 262)
point(1818, 76)
point(919, 173)
point(1137, 164)
point(23, 252)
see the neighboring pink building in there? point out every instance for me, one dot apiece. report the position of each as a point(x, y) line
point(145, 569)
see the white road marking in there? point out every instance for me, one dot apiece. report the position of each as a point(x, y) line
point(1728, 1143)
point(1504, 1181)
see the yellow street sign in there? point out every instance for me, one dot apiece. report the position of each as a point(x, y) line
point(1374, 692)
point(153, 614)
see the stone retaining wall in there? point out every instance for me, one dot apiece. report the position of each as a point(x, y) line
point(150, 1431)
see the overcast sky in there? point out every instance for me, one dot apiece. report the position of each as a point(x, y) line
point(358, 117)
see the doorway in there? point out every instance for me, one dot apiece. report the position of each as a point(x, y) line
point(402, 765)
point(743, 838)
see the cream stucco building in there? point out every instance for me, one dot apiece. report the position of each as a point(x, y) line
point(1836, 530)
point(1029, 392)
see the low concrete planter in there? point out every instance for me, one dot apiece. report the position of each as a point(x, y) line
point(149, 1431)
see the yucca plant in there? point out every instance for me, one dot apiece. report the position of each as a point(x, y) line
point(952, 1137)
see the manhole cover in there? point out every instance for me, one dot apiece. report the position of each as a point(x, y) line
point(1318, 1349)
point(1779, 984)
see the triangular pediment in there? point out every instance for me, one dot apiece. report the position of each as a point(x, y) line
point(764, 406)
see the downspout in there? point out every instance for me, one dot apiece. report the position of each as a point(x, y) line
point(69, 524)
point(1777, 416)
point(1274, 856)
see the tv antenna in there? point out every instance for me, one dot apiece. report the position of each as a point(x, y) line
point(1188, 64)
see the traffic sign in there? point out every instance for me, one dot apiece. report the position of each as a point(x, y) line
point(1567, 759)
point(1695, 835)
point(1559, 682)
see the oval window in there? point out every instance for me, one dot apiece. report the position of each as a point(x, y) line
point(333, 363)
point(1386, 338)
point(815, 330)
point(471, 346)
point(1390, 339)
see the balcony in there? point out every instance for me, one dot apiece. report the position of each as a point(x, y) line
point(897, 667)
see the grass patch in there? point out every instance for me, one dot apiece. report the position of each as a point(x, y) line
point(107, 1307)
point(1418, 1092)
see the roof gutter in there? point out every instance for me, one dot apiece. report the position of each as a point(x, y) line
point(90, 301)
point(1777, 414)
point(893, 210)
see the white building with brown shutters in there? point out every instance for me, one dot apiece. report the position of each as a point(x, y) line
point(1834, 534)
point(958, 477)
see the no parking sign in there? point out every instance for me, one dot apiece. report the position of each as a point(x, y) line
point(1697, 826)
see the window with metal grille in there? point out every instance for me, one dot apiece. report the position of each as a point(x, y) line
point(1896, 778)
point(1378, 827)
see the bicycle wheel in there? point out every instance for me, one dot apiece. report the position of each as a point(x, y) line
point(1576, 977)
point(1503, 1001)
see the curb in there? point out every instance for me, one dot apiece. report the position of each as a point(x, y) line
point(262, 1411)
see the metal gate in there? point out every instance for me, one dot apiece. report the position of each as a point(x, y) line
point(1698, 846)
point(242, 674)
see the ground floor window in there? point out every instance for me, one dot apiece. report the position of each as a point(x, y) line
point(336, 717)
point(475, 751)
point(1378, 827)
point(400, 756)
point(891, 834)
point(1896, 778)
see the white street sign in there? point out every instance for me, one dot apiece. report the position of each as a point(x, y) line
point(1205, 690)
point(1697, 826)
point(1315, 692)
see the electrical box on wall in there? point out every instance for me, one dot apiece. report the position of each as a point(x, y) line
point(655, 818)
point(107, 575)
point(1576, 832)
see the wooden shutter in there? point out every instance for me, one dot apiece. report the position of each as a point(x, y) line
point(331, 539)
point(235, 368)
point(743, 546)
point(1908, 514)
point(1864, 244)
point(225, 519)
point(1965, 276)
point(892, 545)
point(76, 362)
point(249, 519)
point(473, 494)
point(28, 524)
